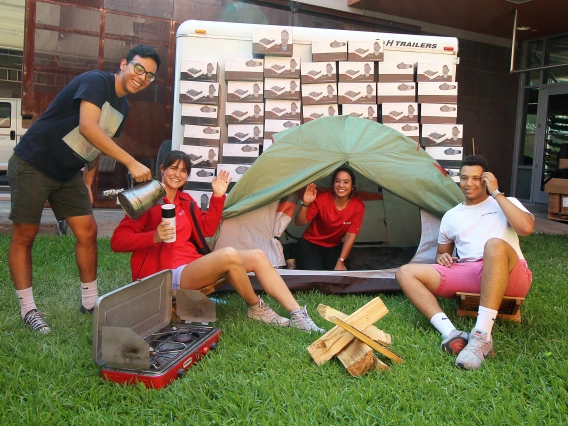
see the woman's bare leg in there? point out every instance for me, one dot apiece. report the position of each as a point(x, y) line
point(270, 280)
point(224, 263)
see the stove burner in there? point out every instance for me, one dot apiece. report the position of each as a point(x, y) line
point(183, 337)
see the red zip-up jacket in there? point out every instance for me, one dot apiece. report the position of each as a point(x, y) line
point(137, 236)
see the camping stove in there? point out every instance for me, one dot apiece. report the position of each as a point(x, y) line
point(133, 339)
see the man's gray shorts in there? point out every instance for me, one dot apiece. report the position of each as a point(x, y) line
point(30, 189)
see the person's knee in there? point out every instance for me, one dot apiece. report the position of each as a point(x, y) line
point(231, 256)
point(404, 275)
point(87, 232)
point(23, 234)
point(496, 248)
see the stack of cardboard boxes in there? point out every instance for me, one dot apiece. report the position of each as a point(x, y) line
point(557, 189)
point(273, 90)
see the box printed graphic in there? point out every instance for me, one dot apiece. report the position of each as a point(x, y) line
point(199, 92)
point(279, 67)
point(395, 71)
point(201, 156)
point(410, 130)
point(279, 109)
point(357, 93)
point(245, 133)
point(356, 72)
point(365, 50)
point(314, 94)
point(318, 72)
point(244, 69)
point(437, 71)
point(275, 88)
point(245, 91)
point(244, 113)
point(201, 197)
point(329, 50)
point(201, 135)
point(369, 112)
point(396, 92)
point(435, 92)
point(402, 112)
point(313, 112)
point(205, 115)
point(199, 70)
point(273, 41)
point(442, 134)
point(274, 126)
point(235, 170)
point(438, 113)
point(449, 153)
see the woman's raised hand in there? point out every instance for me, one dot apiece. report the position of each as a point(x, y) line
point(310, 193)
point(220, 183)
point(164, 231)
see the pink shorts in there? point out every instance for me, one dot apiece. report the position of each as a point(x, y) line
point(466, 278)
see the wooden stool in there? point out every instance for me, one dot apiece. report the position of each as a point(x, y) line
point(212, 287)
point(468, 303)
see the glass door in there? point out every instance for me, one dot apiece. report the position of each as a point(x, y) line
point(552, 137)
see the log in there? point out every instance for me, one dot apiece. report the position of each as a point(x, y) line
point(332, 342)
point(376, 346)
point(357, 357)
point(373, 332)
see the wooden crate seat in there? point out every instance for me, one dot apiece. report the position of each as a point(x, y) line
point(468, 304)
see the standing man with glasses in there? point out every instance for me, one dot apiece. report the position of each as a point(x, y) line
point(69, 136)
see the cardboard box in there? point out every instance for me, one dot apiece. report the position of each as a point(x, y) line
point(276, 88)
point(200, 179)
point(278, 109)
point(454, 174)
point(267, 143)
point(369, 112)
point(244, 113)
point(357, 93)
point(274, 126)
point(396, 92)
point(313, 112)
point(318, 72)
point(240, 153)
point(554, 201)
point(410, 130)
point(201, 135)
point(278, 67)
point(563, 163)
point(402, 112)
point(557, 186)
point(245, 133)
point(319, 94)
point(438, 113)
point(201, 197)
point(435, 71)
point(438, 92)
point(192, 70)
point(245, 91)
point(201, 156)
point(357, 72)
point(447, 153)
point(564, 205)
point(365, 50)
point(199, 92)
point(205, 115)
point(395, 71)
point(277, 41)
point(442, 135)
point(329, 50)
point(244, 69)
point(235, 170)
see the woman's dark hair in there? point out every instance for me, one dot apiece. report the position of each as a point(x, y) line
point(144, 52)
point(351, 174)
point(175, 156)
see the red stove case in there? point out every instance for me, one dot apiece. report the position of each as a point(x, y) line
point(133, 339)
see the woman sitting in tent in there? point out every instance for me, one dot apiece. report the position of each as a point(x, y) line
point(333, 215)
point(145, 238)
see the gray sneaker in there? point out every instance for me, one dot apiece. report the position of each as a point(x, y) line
point(301, 320)
point(476, 351)
point(34, 320)
point(262, 312)
point(455, 342)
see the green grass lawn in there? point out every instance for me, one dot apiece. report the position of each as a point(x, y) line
point(264, 375)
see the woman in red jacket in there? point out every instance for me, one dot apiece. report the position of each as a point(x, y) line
point(335, 218)
point(145, 237)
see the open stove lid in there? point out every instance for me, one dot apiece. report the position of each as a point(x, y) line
point(143, 306)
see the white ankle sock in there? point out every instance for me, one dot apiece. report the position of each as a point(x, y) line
point(89, 294)
point(485, 320)
point(26, 299)
point(442, 323)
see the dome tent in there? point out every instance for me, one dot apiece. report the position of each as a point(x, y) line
point(405, 192)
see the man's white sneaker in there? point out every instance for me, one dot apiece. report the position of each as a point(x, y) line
point(476, 351)
point(262, 312)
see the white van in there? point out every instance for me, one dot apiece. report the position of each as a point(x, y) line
point(12, 128)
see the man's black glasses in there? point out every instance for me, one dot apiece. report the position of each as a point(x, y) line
point(139, 69)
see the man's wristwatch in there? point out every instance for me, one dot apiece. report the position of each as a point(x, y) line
point(342, 260)
point(495, 193)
